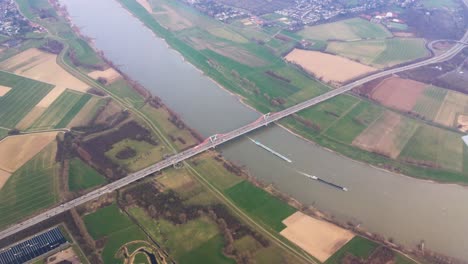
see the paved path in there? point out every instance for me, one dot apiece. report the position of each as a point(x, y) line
point(221, 138)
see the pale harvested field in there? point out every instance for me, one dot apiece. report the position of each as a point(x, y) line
point(51, 96)
point(29, 119)
point(403, 34)
point(172, 19)
point(110, 75)
point(455, 104)
point(398, 93)
point(319, 238)
point(463, 123)
point(67, 254)
point(146, 5)
point(330, 68)
point(4, 90)
point(42, 66)
point(17, 150)
point(387, 136)
point(4, 175)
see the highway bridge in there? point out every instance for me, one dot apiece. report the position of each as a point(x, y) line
point(218, 139)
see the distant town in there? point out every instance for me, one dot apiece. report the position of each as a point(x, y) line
point(12, 23)
point(296, 13)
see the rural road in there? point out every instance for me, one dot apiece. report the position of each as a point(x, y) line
point(219, 139)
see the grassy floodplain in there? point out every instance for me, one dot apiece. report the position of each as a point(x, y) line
point(268, 209)
point(23, 96)
point(205, 243)
point(30, 188)
point(363, 248)
point(81, 176)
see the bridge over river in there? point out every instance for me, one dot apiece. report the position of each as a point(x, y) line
point(218, 139)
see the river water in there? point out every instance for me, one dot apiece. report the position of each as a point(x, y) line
point(396, 206)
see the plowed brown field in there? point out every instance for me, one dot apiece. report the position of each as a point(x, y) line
point(398, 93)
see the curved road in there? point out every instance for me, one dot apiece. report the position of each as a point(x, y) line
point(220, 139)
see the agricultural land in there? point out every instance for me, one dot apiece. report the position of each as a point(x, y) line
point(82, 124)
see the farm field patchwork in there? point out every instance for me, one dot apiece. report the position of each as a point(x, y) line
point(388, 135)
point(42, 66)
point(329, 68)
point(81, 176)
point(349, 29)
point(61, 111)
point(319, 238)
point(348, 127)
point(381, 53)
point(454, 105)
point(268, 209)
point(88, 112)
point(30, 188)
point(435, 147)
point(4, 90)
point(429, 103)
point(17, 150)
point(401, 94)
point(21, 99)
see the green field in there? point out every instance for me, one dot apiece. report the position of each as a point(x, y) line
point(203, 234)
point(23, 96)
point(123, 90)
point(98, 223)
point(353, 123)
point(324, 114)
point(30, 188)
point(399, 50)
point(216, 173)
point(429, 104)
point(3, 133)
point(358, 246)
point(261, 205)
point(440, 147)
point(363, 248)
point(61, 111)
point(116, 226)
point(81, 176)
point(209, 252)
point(381, 52)
point(349, 29)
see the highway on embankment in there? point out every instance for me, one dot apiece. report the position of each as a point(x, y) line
point(220, 139)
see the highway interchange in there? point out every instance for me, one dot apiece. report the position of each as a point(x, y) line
point(221, 138)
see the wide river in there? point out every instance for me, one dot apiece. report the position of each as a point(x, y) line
point(396, 206)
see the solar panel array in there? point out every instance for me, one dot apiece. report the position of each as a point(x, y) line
point(33, 247)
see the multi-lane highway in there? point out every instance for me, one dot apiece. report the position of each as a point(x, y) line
point(221, 138)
